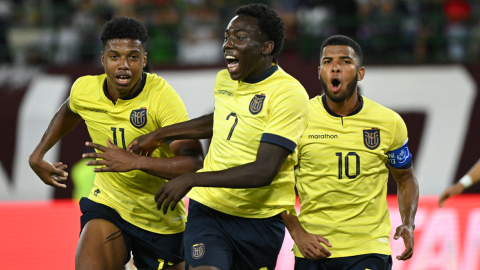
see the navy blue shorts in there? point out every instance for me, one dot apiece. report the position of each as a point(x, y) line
point(227, 242)
point(149, 249)
point(361, 262)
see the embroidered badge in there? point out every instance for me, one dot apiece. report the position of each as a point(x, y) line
point(138, 118)
point(198, 250)
point(256, 104)
point(96, 191)
point(371, 138)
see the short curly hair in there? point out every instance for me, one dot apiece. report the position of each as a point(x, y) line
point(339, 40)
point(124, 28)
point(268, 21)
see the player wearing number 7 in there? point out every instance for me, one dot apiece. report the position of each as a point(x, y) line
point(260, 114)
point(119, 215)
point(342, 173)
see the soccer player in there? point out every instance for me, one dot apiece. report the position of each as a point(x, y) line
point(342, 174)
point(247, 181)
point(472, 177)
point(119, 215)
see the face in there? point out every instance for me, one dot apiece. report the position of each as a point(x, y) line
point(124, 60)
point(245, 48)
point(339, 72)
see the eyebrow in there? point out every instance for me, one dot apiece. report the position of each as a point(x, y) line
point(132, 51)
point(341, 57)
point(236, 30)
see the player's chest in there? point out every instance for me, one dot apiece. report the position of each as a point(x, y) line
point(248, 112)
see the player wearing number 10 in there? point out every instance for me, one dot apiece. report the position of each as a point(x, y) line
point(342, 173)
point(119, 215)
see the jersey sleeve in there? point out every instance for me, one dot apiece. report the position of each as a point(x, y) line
point(72, 99)
point(399, 155)
point(171, 109)
point(288, 118)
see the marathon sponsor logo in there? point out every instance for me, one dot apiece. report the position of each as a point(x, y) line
point(95, 110)
point(325, 136)
point(225, 92)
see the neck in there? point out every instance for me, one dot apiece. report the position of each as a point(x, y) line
point(264, 65)
point(345, 107)
point(114, 94)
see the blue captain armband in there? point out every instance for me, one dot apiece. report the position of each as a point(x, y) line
point(400, 158)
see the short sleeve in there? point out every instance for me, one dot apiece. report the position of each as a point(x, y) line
point(73, 91)
point(288, 118)
point(171, 108)
point(399, 155)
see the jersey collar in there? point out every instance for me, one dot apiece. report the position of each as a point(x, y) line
point(265, 75)
point(357, 110)
point(143, 80)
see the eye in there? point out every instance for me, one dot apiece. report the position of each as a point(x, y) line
point(346, 61)
point(240, 38)
point(113, 56)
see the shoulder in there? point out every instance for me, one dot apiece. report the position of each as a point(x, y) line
point(87, 84)
point(373, 107)
point(158, 86)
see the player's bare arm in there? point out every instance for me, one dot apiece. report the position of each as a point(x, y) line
point(472, 177)
point(62, 122)
point(308, 244)
point(407, 192)
point(261, 172)
point(198, 128)
point(188, 158)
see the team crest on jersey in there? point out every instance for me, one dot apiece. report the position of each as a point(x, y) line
point(138, 118)
point(256, 104)
point(198, 250)
point(371, 138)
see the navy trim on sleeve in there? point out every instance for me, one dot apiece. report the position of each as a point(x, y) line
point(279, 140)
point(169, 142)
point(406, 166)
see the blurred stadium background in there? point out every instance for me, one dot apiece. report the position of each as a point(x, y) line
point(422, 59)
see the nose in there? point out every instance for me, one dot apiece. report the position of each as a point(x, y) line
point(336, 67)
point(123, 63)
point(228, 43)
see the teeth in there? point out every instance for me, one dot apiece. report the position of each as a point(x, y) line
point(230, 57)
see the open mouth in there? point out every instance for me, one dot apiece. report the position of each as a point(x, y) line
point(123, 79)
point(335, 85)
point(232, 63)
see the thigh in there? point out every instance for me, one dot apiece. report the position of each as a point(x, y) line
point(206, 242)
point(101, 246)
point(306, 264)
point(257, 242)
point(373, 262)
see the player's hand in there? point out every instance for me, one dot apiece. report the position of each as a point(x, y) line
point(49, 173)
point(144, 145)
point(114, 158)
point(456, 189)
point(310, 247)
point(173, 191)
point(406, 232)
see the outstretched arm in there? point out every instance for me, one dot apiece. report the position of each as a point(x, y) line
point(472, 177)
point(198, 128)
point(62, 123)
point(407, 192)
point(188, 158)
point(261, 172)
point(308, 244)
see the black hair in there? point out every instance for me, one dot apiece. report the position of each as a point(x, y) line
point(268, 21)
point(340, 40)
point(124, 28)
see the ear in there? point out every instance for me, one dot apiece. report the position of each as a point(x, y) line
point(361, 73)
point(267, 47)
point(319, 70)
point(103, 58)
point(144, 59)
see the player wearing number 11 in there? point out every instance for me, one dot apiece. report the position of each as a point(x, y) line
point(342, 173)
point(119, 215)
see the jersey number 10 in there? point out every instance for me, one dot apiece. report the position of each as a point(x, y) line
point(347, 170)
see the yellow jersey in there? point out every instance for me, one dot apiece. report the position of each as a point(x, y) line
point(154, 105)
point(272, 108)
point(342, 175)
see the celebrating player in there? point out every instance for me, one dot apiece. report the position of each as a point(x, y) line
point(341, 174)
point(260, 114)
point(119, 216)
point(472, 177)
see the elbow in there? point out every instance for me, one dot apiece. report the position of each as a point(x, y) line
point(266, 178)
